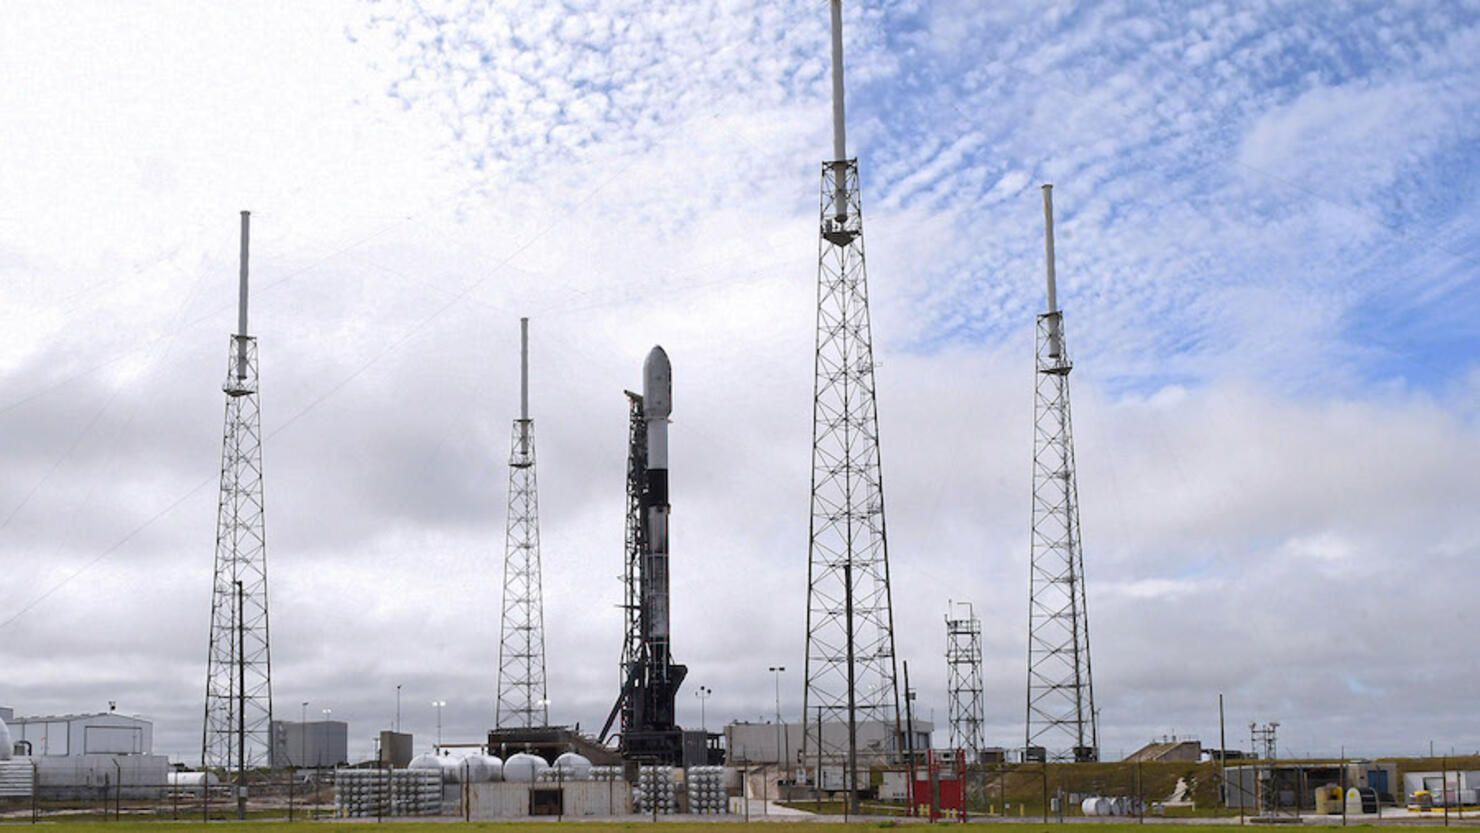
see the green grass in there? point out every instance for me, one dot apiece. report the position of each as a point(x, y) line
point(153, 826)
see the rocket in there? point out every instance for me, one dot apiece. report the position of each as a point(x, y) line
point(657, 405)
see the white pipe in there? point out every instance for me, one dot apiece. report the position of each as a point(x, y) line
point(840, 131)
point(840, 139)
point(524, 369)
point(1053, 301)
point(241, 306)
point(1055, 343)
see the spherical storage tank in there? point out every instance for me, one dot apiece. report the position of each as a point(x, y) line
point(573, 766)
point(524, 768)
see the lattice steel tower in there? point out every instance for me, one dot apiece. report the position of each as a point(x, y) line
point(238, 710)
point(850, 662)
point(521, 650)
point(964, 682)
point(1061, 721)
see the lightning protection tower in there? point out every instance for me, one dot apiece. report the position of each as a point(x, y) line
point(1061, 720)
point(521, 654)
point(850, 661)
point(238, 666)
point(964, 681)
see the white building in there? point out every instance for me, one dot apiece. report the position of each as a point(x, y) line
point(62, 735)
point(85, 755)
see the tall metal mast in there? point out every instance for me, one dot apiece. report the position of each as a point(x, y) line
point(964, 682)
point(238, 708)
point(850, 662)
point(1061, 722)
point(521, 652)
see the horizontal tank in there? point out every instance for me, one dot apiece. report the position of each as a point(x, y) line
point(524, 768)
point(573, 767)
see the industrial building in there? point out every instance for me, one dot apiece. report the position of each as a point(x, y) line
point(1278, 786)
point(105, 733)
point(313, 745)
point(757, 743)
point(84, 755)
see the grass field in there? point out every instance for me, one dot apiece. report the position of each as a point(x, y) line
point(134, 826)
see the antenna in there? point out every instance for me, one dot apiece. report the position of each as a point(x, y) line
point(1048, 256)
point(241, 304)
point(524, 369)
point(840, 131)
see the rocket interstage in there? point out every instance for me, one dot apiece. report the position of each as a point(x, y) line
point(657, 399)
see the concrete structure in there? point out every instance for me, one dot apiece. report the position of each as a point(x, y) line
point(316, 744)
point(1169, 750)
point(396, 749)
point(504, 800)
point(757, 743)
point(64, 735)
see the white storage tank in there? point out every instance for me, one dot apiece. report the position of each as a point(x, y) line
point(524, 768)
point(573, 766)
point(6, 744)
point(495, 766)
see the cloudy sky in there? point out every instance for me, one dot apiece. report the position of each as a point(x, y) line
point(1269, 231)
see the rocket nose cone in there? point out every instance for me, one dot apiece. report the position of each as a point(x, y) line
point(657, 384)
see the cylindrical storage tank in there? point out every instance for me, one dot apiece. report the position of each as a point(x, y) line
point(524, 768)
point(1087, 806)
point(573, 766)
point(1103, 807)
point(470, 769)
point(7, 746)
point(425, 762)
point(495, 767)
point(1117, 806)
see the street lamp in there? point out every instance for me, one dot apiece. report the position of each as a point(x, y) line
point(703, 694)
point(398, 708)
point(780, 750)
point(439, 704)
point(303, 735)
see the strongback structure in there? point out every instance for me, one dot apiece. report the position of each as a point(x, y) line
point(647, 702)
point(521, 651)
point(238, 709)
point(850, 660)
point(964, 681)
point(1061, 719)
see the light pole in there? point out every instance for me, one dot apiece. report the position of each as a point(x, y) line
point(439, 704)
point(703, 694)
point(398, 708)
point(780, 750)
point(327, 712)
point(303, 735)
